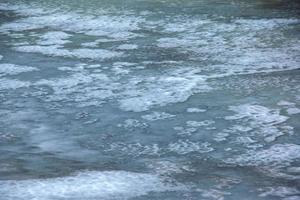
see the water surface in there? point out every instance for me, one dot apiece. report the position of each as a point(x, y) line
point(140, 99)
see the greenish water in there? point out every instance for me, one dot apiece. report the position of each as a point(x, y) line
point(144, 99)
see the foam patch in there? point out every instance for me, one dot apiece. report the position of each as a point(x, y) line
point(12, 69)
point(85, 185)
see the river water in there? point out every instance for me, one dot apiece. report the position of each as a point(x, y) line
point(149, 99)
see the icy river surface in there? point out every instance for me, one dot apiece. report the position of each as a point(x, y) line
point(149, 100)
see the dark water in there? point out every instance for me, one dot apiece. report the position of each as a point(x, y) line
point(148, 99)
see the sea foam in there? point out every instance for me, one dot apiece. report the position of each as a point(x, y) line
point(85, 185)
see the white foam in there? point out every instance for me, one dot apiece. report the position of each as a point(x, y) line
point(291, 108)
point(183, 147)
point(195, 110)
point(266, 121)
point(280, 191)
point(278, 155)
point(86, 185)
point(193, 126)
point(188, 25)
point(257, 112)
point(78, 87)
point(293, 111)
point(90, 44)
point(121, 68)
point(285, 103)
point(1, 57)
point(97, 42)
point(127, 47)
point(180, 147)
point(176, 86)
point(135, 149)
point(22, 9)
point(259, 24)
point(55, 50)
point(185, 131)
point(240, 52)
point(54, 38)
point(133, 123)
point(292, 198)
point(12, 69)
point(12, 84)
point(199, 123)
point(157, 116)
point(221, 136)
point(116, 27)
point(165, 167)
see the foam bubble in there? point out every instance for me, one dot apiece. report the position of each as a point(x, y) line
point(86, 185)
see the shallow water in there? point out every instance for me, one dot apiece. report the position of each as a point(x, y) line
point(148, 99)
